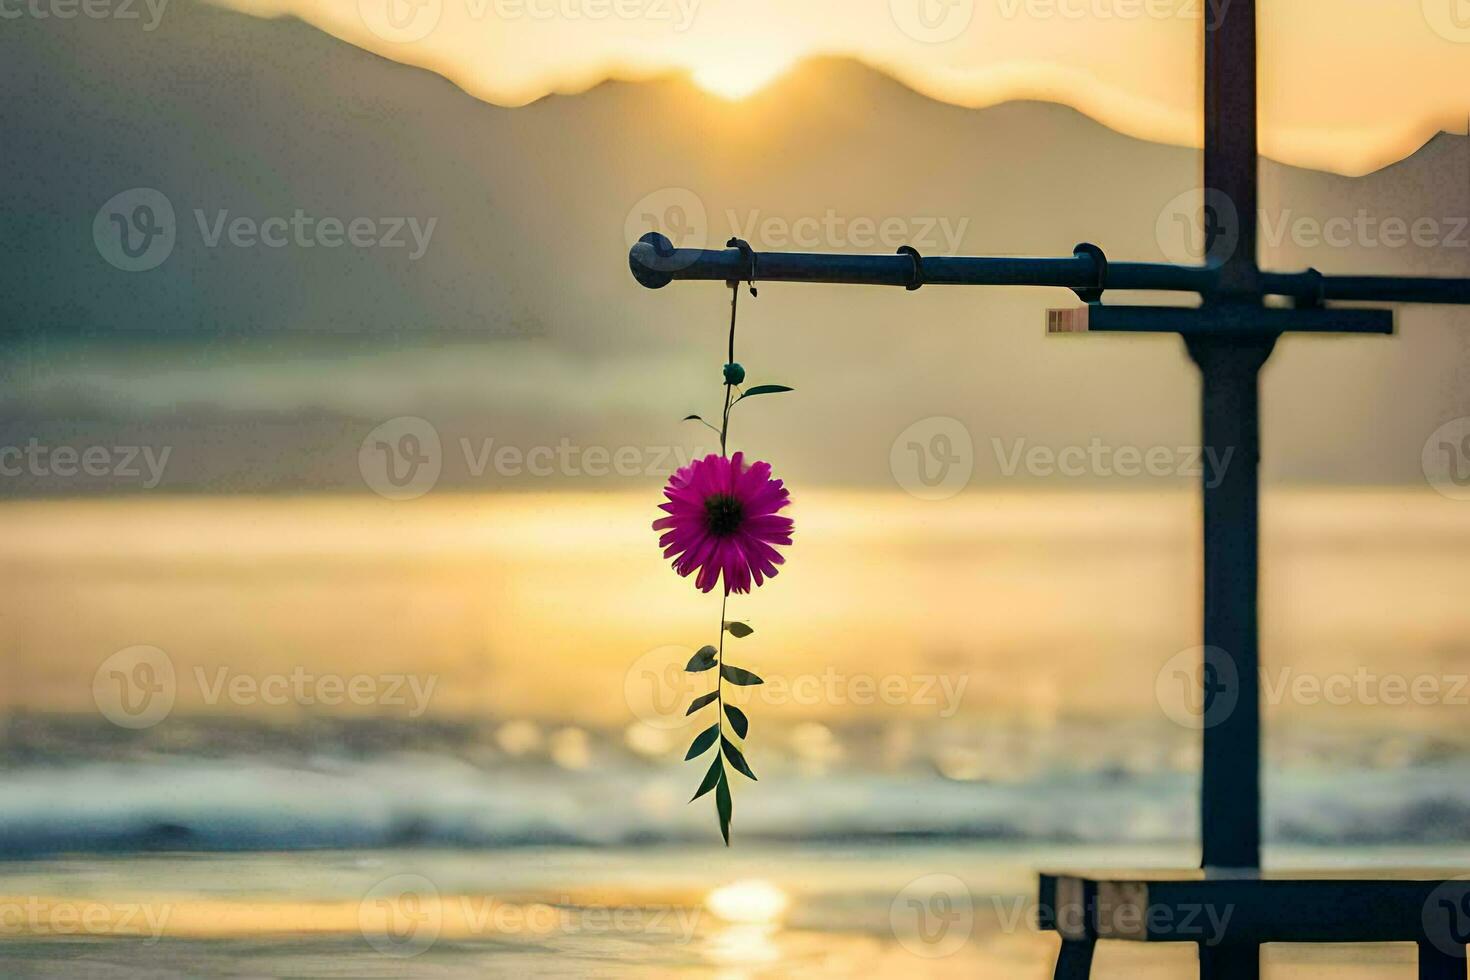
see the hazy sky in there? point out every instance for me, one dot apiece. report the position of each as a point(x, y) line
point(1347, 85)
point(263, 368)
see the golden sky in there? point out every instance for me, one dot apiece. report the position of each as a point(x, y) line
point(1347, 85)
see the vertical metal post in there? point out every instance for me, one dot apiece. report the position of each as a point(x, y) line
point(1230, 791)
point(1231, 144)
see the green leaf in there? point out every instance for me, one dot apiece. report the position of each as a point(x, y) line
point(738, 721)
point(738, 677)
point(715, 774)
point(701, 701)
point(702, 742)
point(765, 390)
point(723, 805)
point(739, 630)
point(701, 421)
point(702, 660)
point(736, 759)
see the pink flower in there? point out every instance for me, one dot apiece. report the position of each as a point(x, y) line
point(722, 519)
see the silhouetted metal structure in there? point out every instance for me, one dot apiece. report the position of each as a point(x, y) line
point(1230, 335)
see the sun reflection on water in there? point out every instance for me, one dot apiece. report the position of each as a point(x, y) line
point(751, 902)
point(752, 910)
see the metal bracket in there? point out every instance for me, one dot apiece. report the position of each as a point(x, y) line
point(918, 279)
point(1093, 293)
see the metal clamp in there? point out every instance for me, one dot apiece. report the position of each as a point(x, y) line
point(1093, 293)
point(916, 280)
point(1317, 298)
point(749, 253)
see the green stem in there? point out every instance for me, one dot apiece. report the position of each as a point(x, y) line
point(720, 669)
point(729, 386)
point(725, 598)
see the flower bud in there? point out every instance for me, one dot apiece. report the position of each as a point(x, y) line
point(734, 374)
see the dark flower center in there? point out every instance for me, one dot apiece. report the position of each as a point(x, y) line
point(722, 514)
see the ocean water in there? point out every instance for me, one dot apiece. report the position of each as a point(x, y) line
point(320, 796)
point(958, 694)
point(913, 909)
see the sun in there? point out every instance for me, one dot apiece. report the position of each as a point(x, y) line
point(750, 902)
point(736, 77)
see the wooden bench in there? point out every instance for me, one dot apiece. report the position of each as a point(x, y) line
point(1228, 915)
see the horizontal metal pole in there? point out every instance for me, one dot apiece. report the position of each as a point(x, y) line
point(1375, 289)
point(655, 263)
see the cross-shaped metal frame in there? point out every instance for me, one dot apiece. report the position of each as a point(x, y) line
point(1229, 335)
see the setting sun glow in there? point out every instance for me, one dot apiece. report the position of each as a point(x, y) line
point(738, 78)
point(751, 902)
